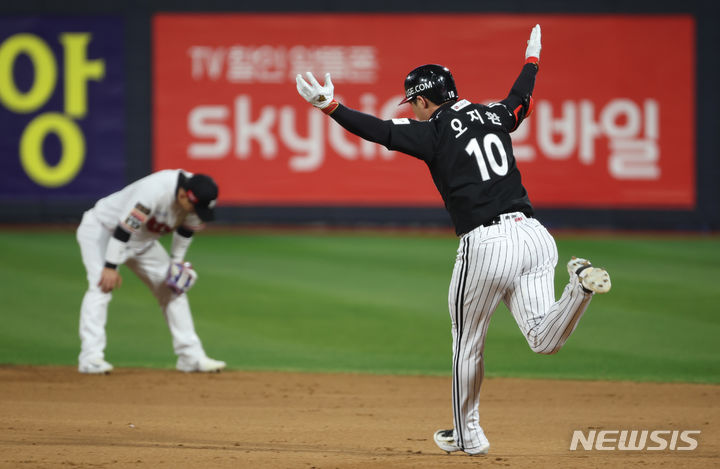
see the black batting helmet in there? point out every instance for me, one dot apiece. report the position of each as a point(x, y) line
point(434, 82)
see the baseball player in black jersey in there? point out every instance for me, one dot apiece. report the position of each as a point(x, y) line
point(505, 254)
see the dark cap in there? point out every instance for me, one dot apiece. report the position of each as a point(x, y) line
point(202, 193)
point(432, 81)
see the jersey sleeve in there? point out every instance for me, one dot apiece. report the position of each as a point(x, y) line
point(132, 218)
point(135, 216)
point(140, 204)
point(412, 137)
point(409, 136)
point(519, 101)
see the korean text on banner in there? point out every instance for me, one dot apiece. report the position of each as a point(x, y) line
point(62, 108)
point(613, 125)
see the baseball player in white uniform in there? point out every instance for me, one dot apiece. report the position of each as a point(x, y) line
point(123, 228)
point(505, 254)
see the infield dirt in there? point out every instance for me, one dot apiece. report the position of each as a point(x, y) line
point(140, 418)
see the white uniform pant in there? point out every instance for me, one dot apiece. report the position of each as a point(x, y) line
point(151, 265)
point(513, 262)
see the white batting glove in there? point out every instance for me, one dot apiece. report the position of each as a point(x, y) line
point(532, 53)
point(318, 95)
point(181, 277)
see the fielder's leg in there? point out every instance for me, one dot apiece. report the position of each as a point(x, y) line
point(93, 239)
point(152, 267)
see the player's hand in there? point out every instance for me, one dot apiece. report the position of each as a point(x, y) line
point(110, 279)
point(318, 95)
point(532, 53)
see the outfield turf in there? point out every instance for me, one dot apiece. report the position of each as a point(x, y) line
point(370, 302)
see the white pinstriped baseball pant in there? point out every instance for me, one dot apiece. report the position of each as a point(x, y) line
point(514, 262)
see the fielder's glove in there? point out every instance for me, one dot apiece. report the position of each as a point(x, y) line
point(532, 53)
point(318, 95)
point(181, 277)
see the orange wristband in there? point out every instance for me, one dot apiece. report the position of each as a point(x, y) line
point(330, 108)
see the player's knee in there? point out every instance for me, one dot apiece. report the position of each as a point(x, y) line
point(545, 349)
point(164, 296)
point(96, 296)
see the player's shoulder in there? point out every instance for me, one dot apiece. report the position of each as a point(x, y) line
point(163, 180)
point(168, 174)
point(493, 110)
point(462, 106)
point(465, 105)
point(498, 107)
point(156, 186)
point(157, 177)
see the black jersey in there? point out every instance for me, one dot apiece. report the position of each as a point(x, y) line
point(467, 148)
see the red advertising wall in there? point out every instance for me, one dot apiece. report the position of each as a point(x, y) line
point(613, 125)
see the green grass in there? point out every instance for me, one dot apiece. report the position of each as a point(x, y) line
point(369, 302)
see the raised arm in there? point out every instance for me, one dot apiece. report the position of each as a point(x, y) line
point(520, 101)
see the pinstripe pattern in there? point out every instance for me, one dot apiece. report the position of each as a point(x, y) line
point(456, 299)
point(513, 262)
